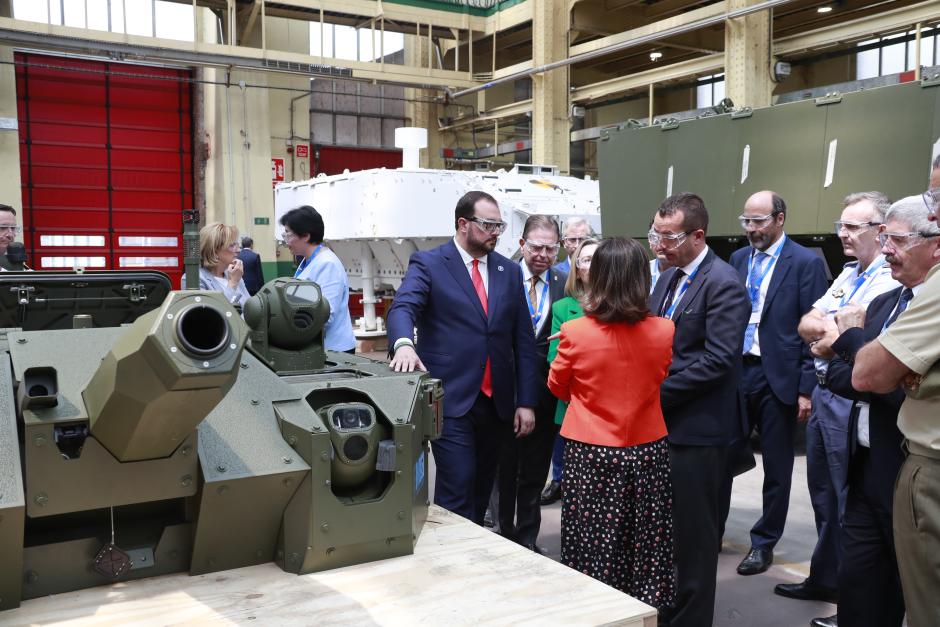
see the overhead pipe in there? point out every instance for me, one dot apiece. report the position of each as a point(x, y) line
point(624, 45)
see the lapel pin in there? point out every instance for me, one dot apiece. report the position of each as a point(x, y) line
point(500, 268)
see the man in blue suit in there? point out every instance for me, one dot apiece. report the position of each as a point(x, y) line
point(251, 262)
point(475, 334)
point(783, 280)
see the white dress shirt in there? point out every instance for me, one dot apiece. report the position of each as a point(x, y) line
point(774, 251)
point(468, 264)
point(689, 270)
point(541, 305)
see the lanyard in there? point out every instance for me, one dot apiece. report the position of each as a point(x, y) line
point(859, 282)
point(679, 292)
point(654, 273)
point(536, 316)
point(753, 288)
point(894, 309)
point(306, 262)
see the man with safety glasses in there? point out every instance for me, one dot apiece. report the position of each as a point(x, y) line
point(783, 281)
point(907, 353)
point(700, 399)
point(9, 229)
point(474, 332)
point(576, 231)
point(525, 462)
point(827, 450)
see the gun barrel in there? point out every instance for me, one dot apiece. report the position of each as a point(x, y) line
point(164, 374)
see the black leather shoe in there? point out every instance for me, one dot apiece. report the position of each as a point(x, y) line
point(551, 493)
point(756, 562)
point(829, 621)
point(807, 591)
point(535, 548)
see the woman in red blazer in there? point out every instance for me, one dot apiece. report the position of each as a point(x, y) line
point(616, 515)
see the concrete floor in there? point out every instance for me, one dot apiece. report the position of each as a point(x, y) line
point(741, 601)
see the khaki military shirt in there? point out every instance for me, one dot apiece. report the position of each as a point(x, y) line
point(915, 341)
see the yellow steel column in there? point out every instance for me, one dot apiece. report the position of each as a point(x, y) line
point(748, 57)
point(550, 124)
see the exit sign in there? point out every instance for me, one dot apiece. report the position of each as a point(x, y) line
point(261, 221)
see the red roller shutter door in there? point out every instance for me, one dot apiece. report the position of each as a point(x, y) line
point(335, 159)
point(106, 163)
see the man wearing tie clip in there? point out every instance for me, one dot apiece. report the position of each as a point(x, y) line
point(859, 283)
point(524, 462)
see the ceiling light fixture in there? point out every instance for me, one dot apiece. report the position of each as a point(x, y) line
point(656, 56)
point(825, 9)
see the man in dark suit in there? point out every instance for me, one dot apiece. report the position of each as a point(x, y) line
point(783, 280)
point(524, 463)
point(251, 262)
point(700, 397)
point(869, 583)
point(475, 334)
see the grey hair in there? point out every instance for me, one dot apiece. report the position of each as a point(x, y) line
point(913, 211)
point(879, 201)
point(578, 221)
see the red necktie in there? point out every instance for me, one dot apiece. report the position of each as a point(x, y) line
point(487, 386)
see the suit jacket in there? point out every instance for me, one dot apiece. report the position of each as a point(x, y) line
point(611, 373)
point(798, 280)
point(556, 292)
point(455, 335)
point(253, 276)
point(884, 436)
point(701, 400)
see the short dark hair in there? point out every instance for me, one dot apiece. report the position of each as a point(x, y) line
point(8, 208)
point(778, 205)
point(539, 221)
point(694, 213)
point(304, 221)
point(467, 203)
point(936, 162)
point(618, 282)
point(247, 242)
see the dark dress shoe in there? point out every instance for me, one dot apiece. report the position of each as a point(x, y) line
point(551, 493)
point(807, 591)
point(829, 621)
point(756, 562)
point(535, 548)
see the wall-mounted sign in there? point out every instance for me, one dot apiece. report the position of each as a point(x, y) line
point(303, 151)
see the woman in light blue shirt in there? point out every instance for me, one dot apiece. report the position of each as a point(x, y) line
point(303, 234)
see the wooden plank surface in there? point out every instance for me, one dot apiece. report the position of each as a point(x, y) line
point(460, 574)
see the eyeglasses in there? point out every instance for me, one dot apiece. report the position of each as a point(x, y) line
point(541, 249)
point(16, 229)
point(574, 241)
point(289, 235)
point(669, 241)
point(584, 262)
point(233, 246)
point(932, 199)
point(492, 227)
point(853, 227)
point(756, 223)
point(903, 241)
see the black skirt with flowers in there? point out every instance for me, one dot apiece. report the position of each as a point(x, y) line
point(616, 518)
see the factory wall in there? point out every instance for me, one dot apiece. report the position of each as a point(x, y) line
point(9, 137)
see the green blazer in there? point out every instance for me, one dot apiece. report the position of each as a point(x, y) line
point(568, 308)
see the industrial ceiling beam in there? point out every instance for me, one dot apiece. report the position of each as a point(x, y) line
point(630, 43)
point(118, 46)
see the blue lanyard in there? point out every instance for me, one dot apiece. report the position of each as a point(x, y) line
point(753, 288)
point(859, 282)
point(680, 292)
point(306, 262)
point(654, 273)
point(536, 316)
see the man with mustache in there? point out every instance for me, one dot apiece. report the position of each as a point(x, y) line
point(908, 354)
point(869, 585)
point(783, 280)
point(475, 334)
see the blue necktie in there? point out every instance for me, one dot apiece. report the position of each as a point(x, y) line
point(906, 295)
point(751, 330)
